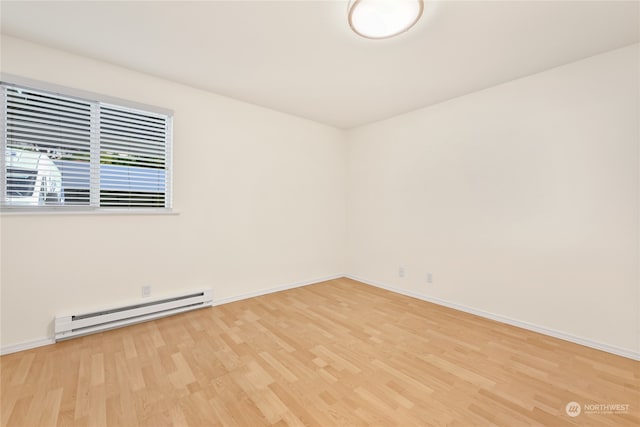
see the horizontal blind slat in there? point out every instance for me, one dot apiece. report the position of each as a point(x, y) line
point(126, 135)
point(27, 95)
point(131, 114)
point(36, 133)
point(16, 106)
point(48, 127)
point(47, 140)
point(121, 122)
point(107, 131)
point(48, 118)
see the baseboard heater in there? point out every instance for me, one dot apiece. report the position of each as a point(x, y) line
point(87, 323)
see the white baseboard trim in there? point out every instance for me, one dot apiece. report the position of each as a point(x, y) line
point(27, 345)
point(630, 354)
point(261, 292)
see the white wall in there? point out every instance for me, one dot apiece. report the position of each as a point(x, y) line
point(521, 199)
point(260, 197)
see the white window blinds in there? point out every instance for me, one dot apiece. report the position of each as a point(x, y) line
point(70, 153)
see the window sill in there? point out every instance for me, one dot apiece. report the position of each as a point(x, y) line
point(40, 212)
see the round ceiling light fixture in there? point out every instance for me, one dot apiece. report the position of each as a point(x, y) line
point(380, 19)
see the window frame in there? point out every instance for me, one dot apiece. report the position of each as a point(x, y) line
point(95, 99)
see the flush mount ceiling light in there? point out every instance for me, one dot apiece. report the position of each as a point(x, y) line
point(380, 19)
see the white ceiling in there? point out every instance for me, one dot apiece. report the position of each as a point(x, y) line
point(300, 57)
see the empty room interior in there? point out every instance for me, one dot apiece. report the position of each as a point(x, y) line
point(321, 213)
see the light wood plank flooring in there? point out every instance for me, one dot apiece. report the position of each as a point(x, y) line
point(335, 353)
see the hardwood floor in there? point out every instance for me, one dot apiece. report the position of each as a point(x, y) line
point(335, 353)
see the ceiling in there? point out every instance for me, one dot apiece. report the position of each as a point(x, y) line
point(301, 58)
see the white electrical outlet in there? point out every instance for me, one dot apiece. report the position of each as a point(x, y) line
point(146, 291)
point(429, 278)
point(401, 271)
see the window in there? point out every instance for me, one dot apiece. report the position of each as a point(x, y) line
point(62, 152)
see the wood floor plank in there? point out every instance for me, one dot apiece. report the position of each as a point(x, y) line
point(338, 353)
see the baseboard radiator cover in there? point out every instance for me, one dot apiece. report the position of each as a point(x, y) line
point(75, 325)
